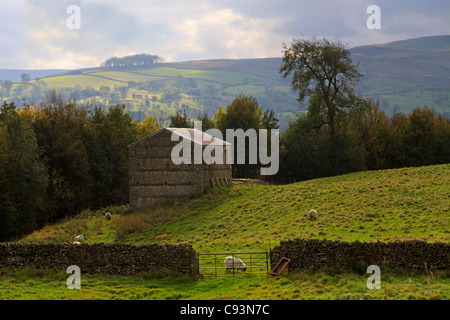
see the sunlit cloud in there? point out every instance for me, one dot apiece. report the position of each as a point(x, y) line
point(34, 32)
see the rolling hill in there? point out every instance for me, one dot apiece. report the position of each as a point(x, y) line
point(387, 205)
point(401, 75)
point(407, 73)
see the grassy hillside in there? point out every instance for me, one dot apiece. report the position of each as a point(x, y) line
point(410, 203)
point(389, 205)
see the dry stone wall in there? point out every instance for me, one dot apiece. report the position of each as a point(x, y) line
point(312, 254)
point(128, 259)
point(124, 259)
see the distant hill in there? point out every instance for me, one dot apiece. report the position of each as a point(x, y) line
point(407, 73)
point(401, 75)
point(14, 74)
point(264, 67)
point(424, 44)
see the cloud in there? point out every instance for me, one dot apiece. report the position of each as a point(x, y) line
point(226, 33)
point(34, 32)
point(104, 32)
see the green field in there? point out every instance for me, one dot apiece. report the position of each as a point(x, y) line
point(148, 88)
point(387, 205)
point(32, 284)
point(80, 80)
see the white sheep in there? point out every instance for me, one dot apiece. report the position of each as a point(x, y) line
point(312, 214)
point(79, 238)
point(234, 263)
point(108, 215)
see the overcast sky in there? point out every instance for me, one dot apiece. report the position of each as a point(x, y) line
point(34, 33)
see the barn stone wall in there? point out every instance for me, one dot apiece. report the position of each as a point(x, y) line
point(154, 178)
point(313, 253)
point(123, 259)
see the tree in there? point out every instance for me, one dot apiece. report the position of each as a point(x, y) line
point(123, 90)
point(180, 120)
point(395, 148)
point(442, 137)
point(7, 84)
point(373, 126)
point(269, 120)
point(2, 93)
point(36, 93)
point(20, 89)
point(298, 152)
point(420, 138)
point(132, 61)
point(54, 98)
point(106, 137)
point(304, 151)
point(148, 126)
point(23, 176)
point(59, 135)
point(105, 91)
point(25, 77)
point(323, 75)
point(207, 122)
point(243, 113)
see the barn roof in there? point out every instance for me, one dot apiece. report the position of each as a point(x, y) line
point(194, 135)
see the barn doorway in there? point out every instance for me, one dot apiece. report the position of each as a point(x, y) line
point(213, 264)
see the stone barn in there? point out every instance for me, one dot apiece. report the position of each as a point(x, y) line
point(155, 178)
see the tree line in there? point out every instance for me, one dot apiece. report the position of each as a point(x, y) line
point(366, 140)
point(60, 158)
point(136, 60)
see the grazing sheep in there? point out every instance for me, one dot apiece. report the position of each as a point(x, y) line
point(79, 238)
point(234, 263)
point(108, 215)
point(312, 214)
point(76, 242)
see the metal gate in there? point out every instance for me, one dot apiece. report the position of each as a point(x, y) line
point(213, 265)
